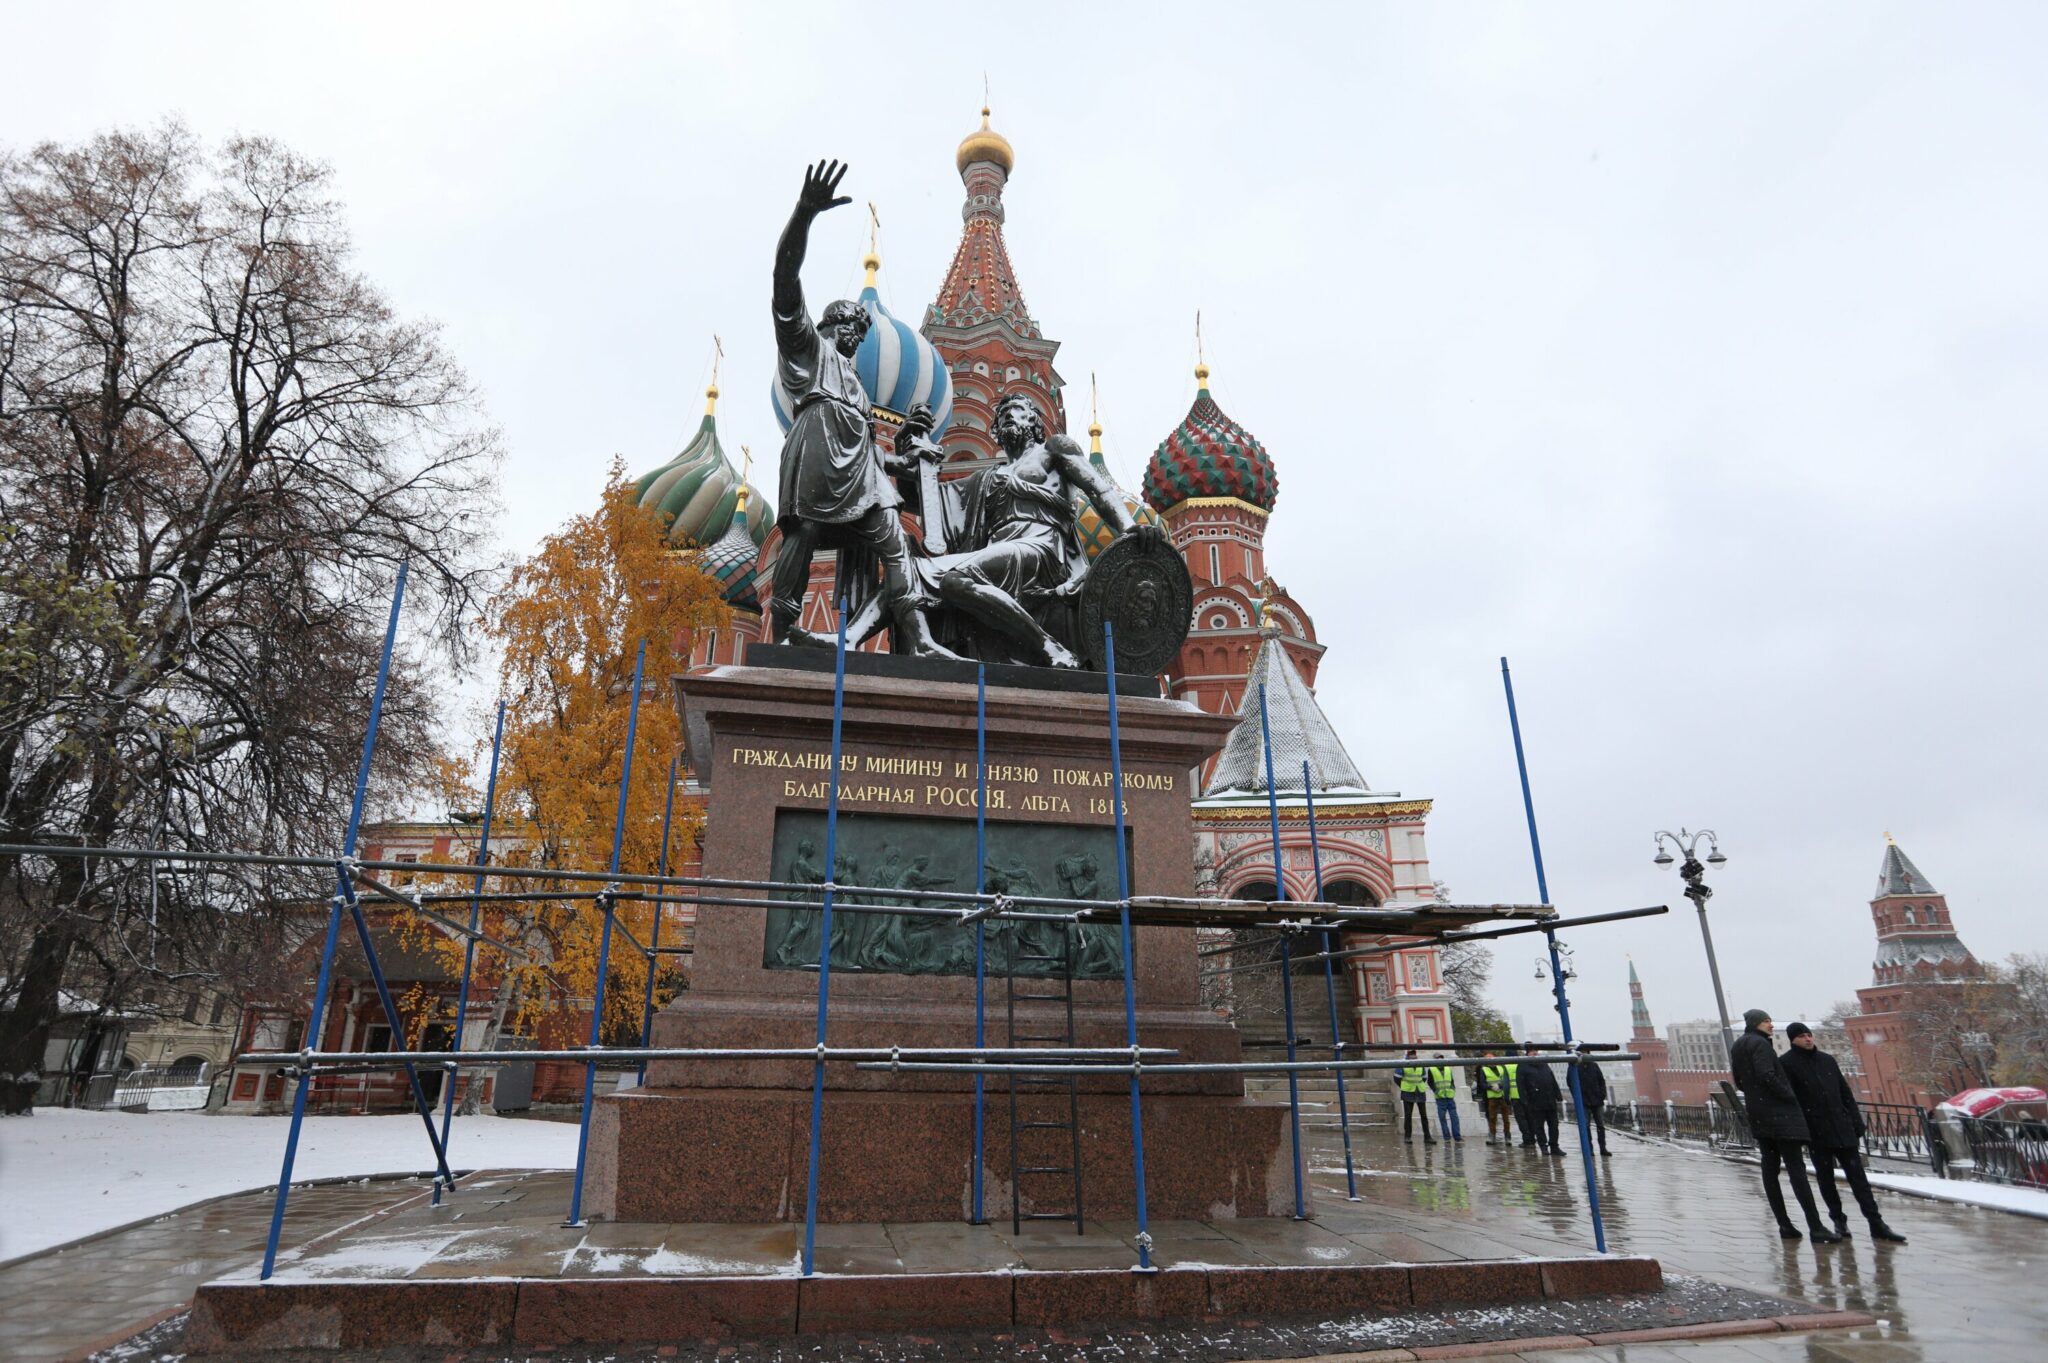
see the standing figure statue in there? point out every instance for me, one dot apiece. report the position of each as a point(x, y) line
point(835, 491)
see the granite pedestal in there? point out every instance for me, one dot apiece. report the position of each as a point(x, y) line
point(728, 1140)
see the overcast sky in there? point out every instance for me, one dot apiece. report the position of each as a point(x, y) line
point(1690, 356)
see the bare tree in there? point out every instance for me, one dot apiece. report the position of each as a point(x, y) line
point(2023, 1028)
point(217, 444)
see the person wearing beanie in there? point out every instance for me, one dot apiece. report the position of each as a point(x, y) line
point(1540, 1097)
point(1835, 1123)
point(1777, 1122)
point(1593, 1090)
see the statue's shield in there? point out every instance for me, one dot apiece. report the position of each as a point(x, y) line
point(1140, 587)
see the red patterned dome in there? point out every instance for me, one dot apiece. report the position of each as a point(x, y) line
point(1209, 455)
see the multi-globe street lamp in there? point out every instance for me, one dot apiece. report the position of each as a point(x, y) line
point(1696, 889)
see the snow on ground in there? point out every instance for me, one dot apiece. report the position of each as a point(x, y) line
point(2026, 1201)
point(68, 1173)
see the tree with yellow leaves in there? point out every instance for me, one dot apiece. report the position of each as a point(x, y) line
point(569, 623)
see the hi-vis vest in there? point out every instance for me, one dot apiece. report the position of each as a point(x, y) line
point(1441, 1075)
point(1413, 1079)
point(1496, 1080)
point(1514, 1084)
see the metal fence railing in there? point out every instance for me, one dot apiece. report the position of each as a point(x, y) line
point(1980, 1149)
point(1896, 1131)
point(1707, 1123)
point(1990, 1151)
point(150, 1088)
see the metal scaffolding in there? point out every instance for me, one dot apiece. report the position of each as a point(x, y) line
point(1442, 924)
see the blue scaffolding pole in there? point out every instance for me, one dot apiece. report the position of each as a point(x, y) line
point(476, 905)
point(653, 951)
point(397, 1024)
point(825, 951)
point(1315, 858)
point(604, 941)
point(1286, 959)
point(980, 924)
point(1123, 894)
point(1564, 1008)
point(343, 894)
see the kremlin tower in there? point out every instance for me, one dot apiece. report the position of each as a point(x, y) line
point(1919, 956)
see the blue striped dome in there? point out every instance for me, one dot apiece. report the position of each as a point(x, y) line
point(898, 367)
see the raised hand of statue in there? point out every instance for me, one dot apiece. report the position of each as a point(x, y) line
point(821, 183)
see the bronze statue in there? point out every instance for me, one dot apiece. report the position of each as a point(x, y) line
point(835, 491)
point(1016, 566)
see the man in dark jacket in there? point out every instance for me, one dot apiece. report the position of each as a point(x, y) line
point(1541, 1096)
point(1593, 1090)
point(1777, 1123)
point(1836, 1126)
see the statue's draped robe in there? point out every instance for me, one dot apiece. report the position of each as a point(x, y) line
point(1018, 536)
point(831, 470)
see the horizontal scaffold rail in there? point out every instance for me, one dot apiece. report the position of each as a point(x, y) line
point(1232, 1067)
point(583, 1054)
point(1419, 920)
point(1446, 938)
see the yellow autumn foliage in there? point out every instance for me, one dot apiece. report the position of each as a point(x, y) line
point(569, 623)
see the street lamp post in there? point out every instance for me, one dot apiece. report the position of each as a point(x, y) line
point(1696, 889)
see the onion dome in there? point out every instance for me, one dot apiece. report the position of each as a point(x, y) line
point(1209, 455)
point(733, 560)
point(697, 490)
point(1095, 535)
point(984, 144)
point(898, 367)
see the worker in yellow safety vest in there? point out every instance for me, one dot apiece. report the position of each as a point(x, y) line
point(1442, 1078)
point(1499, 1091)
point(1413, 1082)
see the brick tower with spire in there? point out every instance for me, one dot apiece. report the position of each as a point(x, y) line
point(1918, 955)
point(979, 323)
point(1644, 1041)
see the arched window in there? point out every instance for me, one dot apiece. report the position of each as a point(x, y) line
point(188, 1069)
point(1909, 916)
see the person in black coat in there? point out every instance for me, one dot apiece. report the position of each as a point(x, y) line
point(1835, 1123)
point(1777, 1122)
point(1540, 1097)
point(1593, 1092)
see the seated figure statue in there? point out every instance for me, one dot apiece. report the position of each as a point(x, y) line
point(1015, 556)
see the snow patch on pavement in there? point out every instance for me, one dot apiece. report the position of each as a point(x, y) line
point(70, 1173)
point(1997, 1196)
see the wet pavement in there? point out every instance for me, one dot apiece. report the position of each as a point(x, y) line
point(1967, 1286)
point(53, 1305)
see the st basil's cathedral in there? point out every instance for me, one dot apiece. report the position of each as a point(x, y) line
point(1213, 487)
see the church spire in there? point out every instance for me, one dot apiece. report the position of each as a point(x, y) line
point(1301, 731)
point(1639, 1011)
point(980, 286)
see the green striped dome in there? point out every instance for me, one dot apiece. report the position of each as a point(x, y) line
point(697, 490)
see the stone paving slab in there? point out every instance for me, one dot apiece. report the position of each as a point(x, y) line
point(1968, 1285)
point(1404, 1335)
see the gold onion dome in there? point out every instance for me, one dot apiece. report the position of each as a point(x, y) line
point(984, 144)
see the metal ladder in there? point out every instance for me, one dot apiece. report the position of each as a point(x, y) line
point(1044, 1166)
